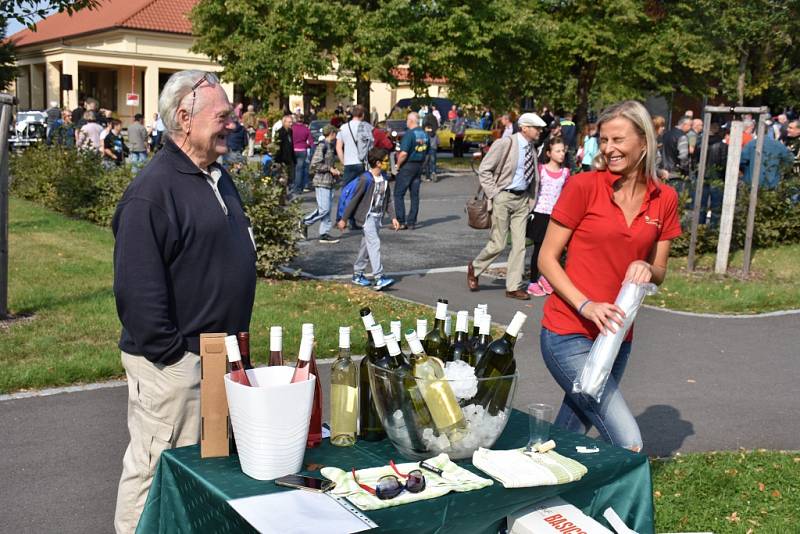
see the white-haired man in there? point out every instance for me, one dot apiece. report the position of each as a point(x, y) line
point(184, 263)
point(509, 176)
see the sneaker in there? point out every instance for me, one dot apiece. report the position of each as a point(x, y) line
point(545, 285)
point(382, 282)
point(536, 290)
point(325, 238)
point(360, 280)
point(303, 230)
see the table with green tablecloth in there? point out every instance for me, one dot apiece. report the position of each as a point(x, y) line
point(189, 493)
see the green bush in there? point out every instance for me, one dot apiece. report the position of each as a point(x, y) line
point(777, 221)
point(274, 220)
point(77, 184)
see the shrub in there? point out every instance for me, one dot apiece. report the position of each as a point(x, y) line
point(76, 183)
point(274, 220)
point(776, 220)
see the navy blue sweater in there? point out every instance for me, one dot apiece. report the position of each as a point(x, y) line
point(181, 265)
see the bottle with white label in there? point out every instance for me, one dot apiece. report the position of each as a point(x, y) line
point(422, 328)
point(461, 340)
point(344, 394)
point(238, 373)
point(369, 422)
point(275, 345)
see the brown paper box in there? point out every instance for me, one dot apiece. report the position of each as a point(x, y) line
point(213, 400)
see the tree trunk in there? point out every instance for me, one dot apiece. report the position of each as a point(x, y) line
point(740, 80)
point(363, 88)
point(283, 102)
point(586, 76)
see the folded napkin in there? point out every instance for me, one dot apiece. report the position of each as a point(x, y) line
point(519, 469)
point(453, 478)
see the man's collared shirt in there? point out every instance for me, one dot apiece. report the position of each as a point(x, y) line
point(520, 181)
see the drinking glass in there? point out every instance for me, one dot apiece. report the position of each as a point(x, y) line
point(540, 417)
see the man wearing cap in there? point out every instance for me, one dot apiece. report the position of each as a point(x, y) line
point(510, 178)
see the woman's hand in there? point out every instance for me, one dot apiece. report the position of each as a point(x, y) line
point(639, 272)
point(604, 315)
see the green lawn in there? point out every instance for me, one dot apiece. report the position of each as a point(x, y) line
point(774, 284)
point(61, 272)
point(738, 492)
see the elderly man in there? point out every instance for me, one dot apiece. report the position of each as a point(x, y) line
point(675, 152)
point(509, 176)
point(413, 148)
point(184, 264)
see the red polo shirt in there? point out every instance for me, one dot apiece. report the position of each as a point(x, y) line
point(602, 245)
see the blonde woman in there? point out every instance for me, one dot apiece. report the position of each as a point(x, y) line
point(619, 222)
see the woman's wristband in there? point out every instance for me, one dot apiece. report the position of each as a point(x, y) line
point(582, 306)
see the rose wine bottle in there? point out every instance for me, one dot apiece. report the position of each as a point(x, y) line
point(244, 349)
point(237, 373)
point(315, 428)
point(275, 345)
point(303, 365)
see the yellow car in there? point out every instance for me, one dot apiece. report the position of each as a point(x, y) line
point(472, 136)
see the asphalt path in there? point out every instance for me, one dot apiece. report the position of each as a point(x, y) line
point(693, 383)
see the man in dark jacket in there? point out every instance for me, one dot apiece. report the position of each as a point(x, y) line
point(184, 264)
point(286, 147)
point(675, 152)
point(236, 141)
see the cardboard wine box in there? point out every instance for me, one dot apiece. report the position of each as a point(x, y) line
point(553, 515)
point(214, 427)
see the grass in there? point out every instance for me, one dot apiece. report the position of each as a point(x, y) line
point(61, 273)
point(747, 492)
point(774, 284)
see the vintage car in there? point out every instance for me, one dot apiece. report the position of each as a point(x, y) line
point(473, 136)
point(30, 129)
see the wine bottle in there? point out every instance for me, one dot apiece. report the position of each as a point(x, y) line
point(422, 328)
point(394, 359)
point(497, 361)
point(461, 340)
point(315, 426)
point(237, 373)
point(476, 327)
point(448, 328)
point(436, 343)
point(439, 397)
point(406, 397)
point(369, 422)
point(344, 394)
point(395, 328)
point(303, 365)
point(275, 345)
point(484, 338)
point(243, 338)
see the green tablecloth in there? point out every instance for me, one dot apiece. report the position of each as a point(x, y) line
point(189, 493)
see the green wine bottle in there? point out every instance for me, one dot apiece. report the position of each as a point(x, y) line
point(461, 341)
point(477, 313)
point(436, 343)
point(369, 422)
point(484, 338)
point(497, 361)
point(438, 395)
point(344, 394)
point(406, 397)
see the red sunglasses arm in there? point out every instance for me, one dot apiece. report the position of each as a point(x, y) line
point(391, 462)
point(363, 486)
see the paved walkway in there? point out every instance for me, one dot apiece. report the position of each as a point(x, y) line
point(694, 384)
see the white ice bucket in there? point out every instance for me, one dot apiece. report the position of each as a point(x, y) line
point(270, 421)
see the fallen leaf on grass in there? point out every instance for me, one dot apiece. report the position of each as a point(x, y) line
point(761, 486)
point(733, 518)
point(731, 472)
point(657, 494)
point(776, 493)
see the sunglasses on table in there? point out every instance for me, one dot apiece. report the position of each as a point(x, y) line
point(389, 486)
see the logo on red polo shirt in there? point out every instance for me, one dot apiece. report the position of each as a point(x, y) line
point(656, 222)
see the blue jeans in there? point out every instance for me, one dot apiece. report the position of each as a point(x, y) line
point(323, 211)
point(408, 178)
point(300, 172)
point(565, 356)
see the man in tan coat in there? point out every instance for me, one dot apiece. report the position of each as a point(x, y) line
point(509, 176)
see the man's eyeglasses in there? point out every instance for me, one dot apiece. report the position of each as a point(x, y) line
point(389, 486)
point(196, 85)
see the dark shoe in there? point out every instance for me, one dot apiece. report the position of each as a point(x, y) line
point(412, 226)
point(326, 238)
point(472, 280)
point(519, 294)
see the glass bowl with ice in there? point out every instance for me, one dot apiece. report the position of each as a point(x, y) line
point(455, 414)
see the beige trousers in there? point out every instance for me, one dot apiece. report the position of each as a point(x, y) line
point(163, 413)
point(509, 213)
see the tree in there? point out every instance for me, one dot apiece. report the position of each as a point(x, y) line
point(28, 11)
point(8, 69)
point(268, 47)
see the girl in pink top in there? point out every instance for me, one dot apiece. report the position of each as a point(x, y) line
point(553, 177)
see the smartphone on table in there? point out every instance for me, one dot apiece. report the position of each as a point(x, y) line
point(303, 482)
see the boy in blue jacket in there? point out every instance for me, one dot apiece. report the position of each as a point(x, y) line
point(370, 201)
